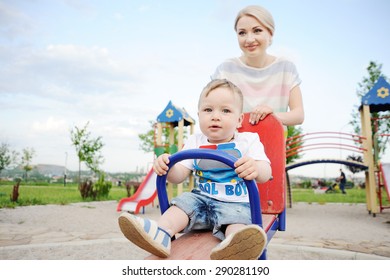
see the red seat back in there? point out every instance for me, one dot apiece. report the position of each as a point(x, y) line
point(272, 135)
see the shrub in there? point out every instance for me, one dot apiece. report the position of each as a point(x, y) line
point(86, 189)
point(15, 191)
point(100, 189)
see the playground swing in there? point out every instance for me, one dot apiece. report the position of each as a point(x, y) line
point(267, 201)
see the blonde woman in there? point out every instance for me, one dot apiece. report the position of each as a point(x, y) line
point(269, 84)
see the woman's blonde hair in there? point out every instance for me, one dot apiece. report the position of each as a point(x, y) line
point(259, 13)
point(217, 83)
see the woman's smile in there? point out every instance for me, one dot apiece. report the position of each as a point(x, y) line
point(251, 48)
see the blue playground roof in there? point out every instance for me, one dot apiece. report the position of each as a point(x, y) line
point(378, 98)
point(174, 114)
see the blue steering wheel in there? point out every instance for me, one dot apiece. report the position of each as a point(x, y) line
point(254, 198)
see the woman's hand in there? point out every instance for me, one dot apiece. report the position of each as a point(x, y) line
point(259, 113)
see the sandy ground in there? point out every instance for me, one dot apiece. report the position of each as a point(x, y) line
point(89, 231)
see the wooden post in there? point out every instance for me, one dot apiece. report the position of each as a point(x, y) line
point(180, 135)
point(159, 134)
point(371, 200)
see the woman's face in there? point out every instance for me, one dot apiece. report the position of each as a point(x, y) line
point(253, 37)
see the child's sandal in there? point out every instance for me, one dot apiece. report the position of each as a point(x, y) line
point(145, 234)
point(246, 244)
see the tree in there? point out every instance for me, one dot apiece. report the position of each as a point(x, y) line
point(383, 127)
point(88, 150)
point(355, 169)
point(27, 155)
point(294, 141)
point(7, 156)
point(148, 139)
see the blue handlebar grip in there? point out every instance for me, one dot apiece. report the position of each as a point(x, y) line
point(254, 198)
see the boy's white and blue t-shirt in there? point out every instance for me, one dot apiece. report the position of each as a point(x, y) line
point(217, 180)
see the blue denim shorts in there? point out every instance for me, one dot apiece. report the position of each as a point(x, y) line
point(206, 213)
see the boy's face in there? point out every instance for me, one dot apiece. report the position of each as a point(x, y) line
point(219, 115)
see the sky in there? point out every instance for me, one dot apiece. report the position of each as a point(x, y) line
point(117, 64)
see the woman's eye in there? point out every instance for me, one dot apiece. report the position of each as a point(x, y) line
point(241, 33)
point(258, 30)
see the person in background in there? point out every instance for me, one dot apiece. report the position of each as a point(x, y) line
point(269, 84)
point(342, 181)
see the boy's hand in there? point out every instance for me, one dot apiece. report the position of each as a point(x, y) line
point(160, 165)
point(246, 168)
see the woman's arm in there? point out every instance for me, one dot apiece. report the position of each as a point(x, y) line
point(296, 114)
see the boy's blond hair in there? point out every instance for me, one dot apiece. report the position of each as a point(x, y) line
point(217, 83)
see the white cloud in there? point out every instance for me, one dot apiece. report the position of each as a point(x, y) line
point(50, 125)
point(14, 23)
point(91, 62)
point(65, 72)
point(81, 6)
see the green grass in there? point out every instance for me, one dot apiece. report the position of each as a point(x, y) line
point(354, 195)
point(58, 194)
point(42, 195)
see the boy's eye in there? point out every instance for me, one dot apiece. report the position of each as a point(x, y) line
point(207, 110)
point(226, 111)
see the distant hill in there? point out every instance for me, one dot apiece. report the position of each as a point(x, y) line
point(50, 169)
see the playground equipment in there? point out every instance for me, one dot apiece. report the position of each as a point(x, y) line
point(384, 184)
point(267, 200)
point(145, 195)
point(169, 118)
point(376, 100)
point(323, 140)
point(295, 143)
